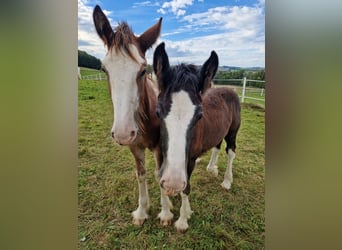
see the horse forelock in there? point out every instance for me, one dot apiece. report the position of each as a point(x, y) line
point(123, 38)
point(185, 76)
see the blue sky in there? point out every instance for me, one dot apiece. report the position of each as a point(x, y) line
point(191, 29)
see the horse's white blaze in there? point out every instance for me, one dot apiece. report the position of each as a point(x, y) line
point(122, 71)
point(177, 122)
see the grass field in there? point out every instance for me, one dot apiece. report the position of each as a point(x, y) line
point(108, 190)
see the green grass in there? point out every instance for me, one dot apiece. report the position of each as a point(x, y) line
point(108, 190)
point(91, 72)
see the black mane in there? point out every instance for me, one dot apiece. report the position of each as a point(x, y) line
point(183, 77)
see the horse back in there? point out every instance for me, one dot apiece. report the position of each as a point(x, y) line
point(221, 113)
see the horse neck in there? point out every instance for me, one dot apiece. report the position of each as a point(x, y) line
point(147, 105)
point(203, 137)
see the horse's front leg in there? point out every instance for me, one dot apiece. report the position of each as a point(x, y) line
point(185, 213)
point(185, 210)
point(140, 214)
point(165, 214)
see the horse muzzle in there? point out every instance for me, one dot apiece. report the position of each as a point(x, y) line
point(125, 139)
point(172, 187)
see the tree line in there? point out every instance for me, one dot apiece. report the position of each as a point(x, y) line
point(240, 74)
point(88, 61)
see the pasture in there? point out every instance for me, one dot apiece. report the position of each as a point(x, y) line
point(108, 190)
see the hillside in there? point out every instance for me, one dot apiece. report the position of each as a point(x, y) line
point(88, 61)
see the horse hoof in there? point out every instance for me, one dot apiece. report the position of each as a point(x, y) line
point(165, 222)
point(181, 230)
point(165, 218)
point(181, 226)
point(213, 171)
point(138, 222)
point(226, 185)
point(139, 217)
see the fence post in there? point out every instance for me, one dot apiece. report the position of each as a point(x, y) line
point(262, 92)
point(243, 89)
point(79, 74)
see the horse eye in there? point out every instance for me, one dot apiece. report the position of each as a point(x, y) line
point(199, 115)
point(158, 112)
point(143, 72)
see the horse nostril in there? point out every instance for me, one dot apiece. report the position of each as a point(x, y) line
point(132, 133)
point(113, 135)
point(162, 183)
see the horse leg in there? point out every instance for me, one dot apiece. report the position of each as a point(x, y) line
point(185, 213)
point(212, 167)
point(165, 214)
point(185, 210)
point(230, 150)
point(140, 214)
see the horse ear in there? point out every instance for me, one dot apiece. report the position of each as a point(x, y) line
point(149, 37)
point(103, 28)
point(160, 64)
point(208, 72)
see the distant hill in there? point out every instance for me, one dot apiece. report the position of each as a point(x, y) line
point(88, 61)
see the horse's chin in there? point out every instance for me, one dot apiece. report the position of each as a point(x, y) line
point(171, 193)
point(126, 142)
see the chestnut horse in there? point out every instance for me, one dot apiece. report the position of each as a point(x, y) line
point(194, 118)
point(134, 100)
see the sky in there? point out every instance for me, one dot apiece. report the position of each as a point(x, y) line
point(191, 29)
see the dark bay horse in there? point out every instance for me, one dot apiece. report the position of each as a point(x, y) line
point(194, 118)
point(134, 99)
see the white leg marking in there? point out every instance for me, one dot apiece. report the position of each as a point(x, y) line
point(165, 215)
point(185, 213)
point(140, 214)
point(156, 170)
point(212, 168)
point(228, 176)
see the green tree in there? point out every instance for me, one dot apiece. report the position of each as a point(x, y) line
point(89, 61)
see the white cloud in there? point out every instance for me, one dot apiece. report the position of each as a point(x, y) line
point(145, 4)
point(176, 7)
point(88, 39)
point(239, 37)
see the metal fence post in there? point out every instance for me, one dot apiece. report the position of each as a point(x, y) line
point(243, 89)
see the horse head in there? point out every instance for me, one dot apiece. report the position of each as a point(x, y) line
point(125, 65)
point(179, 109)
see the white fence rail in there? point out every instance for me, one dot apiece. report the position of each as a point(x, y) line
point(98, 76)
point(250, 90)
